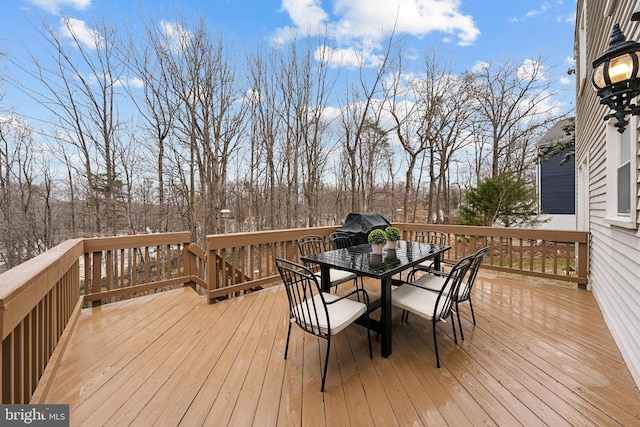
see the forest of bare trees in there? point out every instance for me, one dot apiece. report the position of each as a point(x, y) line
point(162, 129)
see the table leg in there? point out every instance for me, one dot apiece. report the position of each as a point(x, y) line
point(325, 281)
point(385, 317)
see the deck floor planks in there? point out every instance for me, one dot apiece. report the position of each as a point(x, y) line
point(150, 369)
point(290, 407)
point(160, 385)
point(411, 367)
point(87, 372)
point(246, 357)
point(258, 385)
point(345, 376)
point(539, 355)
point(194, 384)
point(574, 363)
point(380, 409)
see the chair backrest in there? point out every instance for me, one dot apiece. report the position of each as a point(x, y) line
point(442, 308)
point(465, 287)
point(311, 245)
point(306, 303)
point(340, 240)
point(431, 236)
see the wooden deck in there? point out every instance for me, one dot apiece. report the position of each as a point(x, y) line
point(539, 355)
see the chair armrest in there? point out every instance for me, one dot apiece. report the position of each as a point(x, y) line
point(411, 276)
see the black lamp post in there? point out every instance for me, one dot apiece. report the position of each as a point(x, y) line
point(616, 77)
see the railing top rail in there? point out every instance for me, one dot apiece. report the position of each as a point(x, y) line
point(24, 285)
point(221, 241)
point(97, 244)
point(511, 232)
point(42, 270)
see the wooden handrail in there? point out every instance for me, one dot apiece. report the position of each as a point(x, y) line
point(37, 299)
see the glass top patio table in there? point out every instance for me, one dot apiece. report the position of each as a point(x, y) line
point(360, 260)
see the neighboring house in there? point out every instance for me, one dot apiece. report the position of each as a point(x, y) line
point(607, 185)
point(557, 184)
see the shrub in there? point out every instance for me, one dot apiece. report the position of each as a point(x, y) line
point(377, 237)
point(393, 234)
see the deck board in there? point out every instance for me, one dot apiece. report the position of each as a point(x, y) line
point(539, 355)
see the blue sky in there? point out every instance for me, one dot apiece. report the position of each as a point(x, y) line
point(469, 32)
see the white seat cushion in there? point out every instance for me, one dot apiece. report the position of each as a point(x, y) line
point(341, 313)
point(417, 300)
point(336, 277)
point(430, 281)
point(433, 282)
point(426, 264)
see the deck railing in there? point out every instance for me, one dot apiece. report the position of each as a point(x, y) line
point(123, 267)
point(550, 254)
point(41, 299)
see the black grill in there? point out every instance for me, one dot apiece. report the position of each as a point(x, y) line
point(358, 225)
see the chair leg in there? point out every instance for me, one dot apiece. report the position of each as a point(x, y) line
point(286, 349)
point(369, 338)
point(473, 316)
point(459, 321)
point(435, 343)
point(453, 326)
point(326, 363)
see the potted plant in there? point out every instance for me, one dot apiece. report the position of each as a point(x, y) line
point(377, 238)
point(393, 235)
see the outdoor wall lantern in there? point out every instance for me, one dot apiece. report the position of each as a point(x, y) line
point(616, 77)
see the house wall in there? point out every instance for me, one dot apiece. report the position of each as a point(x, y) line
point(615, 250)
point(557, 222)
point(557, 185)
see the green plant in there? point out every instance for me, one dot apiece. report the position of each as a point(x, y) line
point(393, 234)
point(377, 237)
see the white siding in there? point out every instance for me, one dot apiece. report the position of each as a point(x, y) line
point(615, 251)
point(558, 222)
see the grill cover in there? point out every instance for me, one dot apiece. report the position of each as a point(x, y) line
point(358, 225)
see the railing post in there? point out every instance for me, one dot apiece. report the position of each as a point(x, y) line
point(583, 261)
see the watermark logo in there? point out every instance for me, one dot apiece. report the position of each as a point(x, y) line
point(34, 415)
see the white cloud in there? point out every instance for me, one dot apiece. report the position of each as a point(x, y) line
point(531, 69)
point(306, 14)
point(533, 12)
point(565, 80)
point(176, 37)
point(350, 57)
point(72, 28)
point(569, 19)
point(54, 6)
point(543, 8)
point(135, 82)
point(372, 19)
point(479, 66)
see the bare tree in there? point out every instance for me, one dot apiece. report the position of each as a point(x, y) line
point(303, 93)
point(82, 94)
point(513, 101)
point(362, 106)
point(157, 104)
point(263, 136)
point(26, 215)
point(209, 124)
